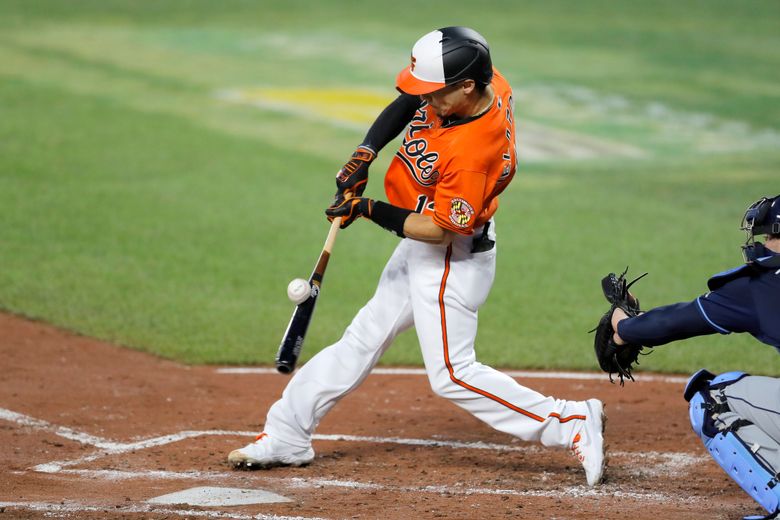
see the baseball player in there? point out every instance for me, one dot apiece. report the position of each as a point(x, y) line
point(457, 156)
point(736, 415)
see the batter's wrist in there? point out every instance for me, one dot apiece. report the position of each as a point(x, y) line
point(390, 217)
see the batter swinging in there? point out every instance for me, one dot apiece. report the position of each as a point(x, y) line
point(457, 156)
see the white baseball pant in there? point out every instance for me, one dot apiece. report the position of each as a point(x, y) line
point(438, 289)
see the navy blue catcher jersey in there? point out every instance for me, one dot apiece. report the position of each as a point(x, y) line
point(745, 299)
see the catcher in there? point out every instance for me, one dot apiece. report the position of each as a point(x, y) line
point(736, 415)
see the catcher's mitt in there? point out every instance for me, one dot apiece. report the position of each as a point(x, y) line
point(614, 358)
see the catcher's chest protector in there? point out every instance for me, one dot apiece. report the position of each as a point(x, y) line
point(749, 455)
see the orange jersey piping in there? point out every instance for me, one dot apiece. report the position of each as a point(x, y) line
point(465, 385)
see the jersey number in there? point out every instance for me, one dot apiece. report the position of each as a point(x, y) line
point(422, 203)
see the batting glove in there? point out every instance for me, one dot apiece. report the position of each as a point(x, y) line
point(353, 176)
point(350, 209)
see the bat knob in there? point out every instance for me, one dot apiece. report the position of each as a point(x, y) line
point(284, 368)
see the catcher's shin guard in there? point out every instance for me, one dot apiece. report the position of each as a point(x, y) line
point(731, 442)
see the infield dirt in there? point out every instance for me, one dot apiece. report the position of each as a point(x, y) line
point(83, 429)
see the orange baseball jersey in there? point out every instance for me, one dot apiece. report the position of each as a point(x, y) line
point(455, 172)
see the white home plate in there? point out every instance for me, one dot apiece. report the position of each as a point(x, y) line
point(219, 496)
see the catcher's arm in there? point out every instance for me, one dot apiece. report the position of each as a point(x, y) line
point(618, 315)
point(664, 324)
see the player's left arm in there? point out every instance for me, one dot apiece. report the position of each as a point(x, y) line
point(353, 176)
point(725, 310)
point(660, 325)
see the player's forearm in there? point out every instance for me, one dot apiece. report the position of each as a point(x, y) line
point(402, 221)
point(422, 228)
point(408, 224)
point(391, 121)
point(663, 325)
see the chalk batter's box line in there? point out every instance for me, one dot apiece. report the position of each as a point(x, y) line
point(610, 491)
point(520, 374)
point(669, 461)
point(579, 491)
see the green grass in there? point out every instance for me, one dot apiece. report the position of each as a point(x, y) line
point(141, 208)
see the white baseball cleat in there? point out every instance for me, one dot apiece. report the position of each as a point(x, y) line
point(266, 452)
point(588, 444)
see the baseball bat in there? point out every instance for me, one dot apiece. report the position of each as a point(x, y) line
point(292, 342)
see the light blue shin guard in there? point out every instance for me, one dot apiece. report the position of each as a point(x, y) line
point(727, 446)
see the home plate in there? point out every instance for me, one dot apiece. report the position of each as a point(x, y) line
point(219, 496)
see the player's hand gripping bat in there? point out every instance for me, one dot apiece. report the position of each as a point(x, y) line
point(292, 342)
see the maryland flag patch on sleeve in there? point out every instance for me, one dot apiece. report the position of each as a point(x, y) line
point(461, 213)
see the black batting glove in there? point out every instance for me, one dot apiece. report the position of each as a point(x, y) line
point(350, 209)
point(353, 176)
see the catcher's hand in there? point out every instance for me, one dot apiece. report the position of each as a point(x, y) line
point(350, 209)
point(353, 176)
point(614, 358)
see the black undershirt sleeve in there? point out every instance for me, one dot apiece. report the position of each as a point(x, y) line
point(390, 217)
point(391, 121)
point(665, 324)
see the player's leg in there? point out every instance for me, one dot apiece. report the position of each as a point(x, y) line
point(335, 371)
point(448, 287)
point(736, 417)
point(757, 399)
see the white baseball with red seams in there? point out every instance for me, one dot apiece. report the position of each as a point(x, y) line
point(298, 291)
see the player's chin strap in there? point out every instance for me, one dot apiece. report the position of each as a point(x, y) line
point(758, 254)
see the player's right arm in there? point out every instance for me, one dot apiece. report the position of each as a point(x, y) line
point(353, 176)
point(403, 222)
point(422, 227)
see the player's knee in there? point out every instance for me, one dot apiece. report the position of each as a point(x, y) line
point(450, 383)
point(442, 385)
point(727, 437)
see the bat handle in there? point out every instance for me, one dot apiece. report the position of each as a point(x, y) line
point(334, 228)
point(331, 238)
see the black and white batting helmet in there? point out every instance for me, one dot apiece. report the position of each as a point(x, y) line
point(444, 57)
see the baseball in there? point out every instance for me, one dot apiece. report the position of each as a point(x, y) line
point(298, 291)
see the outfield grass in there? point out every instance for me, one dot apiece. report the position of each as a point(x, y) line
point(143, 204)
